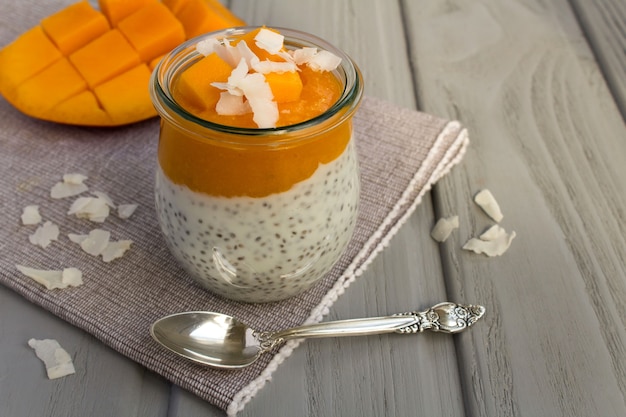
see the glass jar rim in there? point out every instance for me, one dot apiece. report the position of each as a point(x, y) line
point(185, 53)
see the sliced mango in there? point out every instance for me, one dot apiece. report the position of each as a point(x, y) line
point(87, 67)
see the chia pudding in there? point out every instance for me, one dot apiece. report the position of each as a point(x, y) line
point(257, 183)
point(261, 249)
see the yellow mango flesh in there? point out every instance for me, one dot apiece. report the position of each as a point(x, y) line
point(202, 16)
point(119, 95)
point(195, 86)
point(60, 81)
point(78, 64)
point(116, 10)
point(162, 35)
point(74, 26)
point(285, 86)
point(77, 108)
point(17, 66)
point(97, 66)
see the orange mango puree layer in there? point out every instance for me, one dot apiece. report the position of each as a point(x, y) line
point(212, 166)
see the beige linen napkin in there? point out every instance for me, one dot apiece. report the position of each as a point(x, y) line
point(402, 153)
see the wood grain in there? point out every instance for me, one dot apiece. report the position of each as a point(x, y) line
point(546, 143)
point(604, 24)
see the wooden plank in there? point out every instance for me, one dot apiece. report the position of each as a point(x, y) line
point(604, 25)
point(105, 383)
point(547, 140)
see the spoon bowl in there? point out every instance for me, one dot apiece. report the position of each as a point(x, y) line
point(222, 341)
point(209, 338)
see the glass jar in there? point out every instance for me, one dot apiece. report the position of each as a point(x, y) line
point(256, 215)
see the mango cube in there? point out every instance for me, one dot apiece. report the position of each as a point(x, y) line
point(127, 96)
point(163, 33)
point(74, 26)
point(104, 58)
point(77, 108)
point(202, 16)
point(25, 57)
point(116, 10)
point(195, 82)
point(175, 6)
point(60, 81)
point(285, 86)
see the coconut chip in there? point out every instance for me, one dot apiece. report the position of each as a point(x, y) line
point(207, 46)
point(57, 361)
point(303, 55)
point(488, 203)
point(444, 227)
point(45, 234)
point(493, 242)
point(51, 279)
point(124, 211)
point(31, 215)
point(243, 51)
point(95, 209)
point(317, 60)
point(72, 277)
point(96, 242)
point(269, 41)
point(324, 61)
point(261, 99)
point(105, 197)
point(258, 95)
point(267, 66)
point(77, 238)
point(72, 185)
point(115, 250)
point(236, 76)
point(231, 105)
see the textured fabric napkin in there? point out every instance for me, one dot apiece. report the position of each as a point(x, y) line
point(401, 154)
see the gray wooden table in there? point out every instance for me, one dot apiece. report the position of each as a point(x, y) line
point(541, 86)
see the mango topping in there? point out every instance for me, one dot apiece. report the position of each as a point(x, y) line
point(257, 79)
point(232, 86)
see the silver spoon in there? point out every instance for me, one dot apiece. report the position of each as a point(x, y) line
point(222, 341)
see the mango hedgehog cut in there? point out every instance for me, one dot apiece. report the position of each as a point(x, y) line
point(90, 67)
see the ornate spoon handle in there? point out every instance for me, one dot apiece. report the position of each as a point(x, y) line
point(444, 317)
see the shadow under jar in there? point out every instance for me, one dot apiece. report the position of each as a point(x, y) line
point(256, 214)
